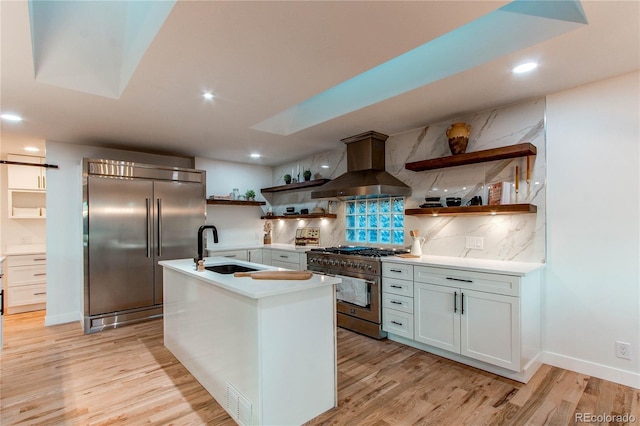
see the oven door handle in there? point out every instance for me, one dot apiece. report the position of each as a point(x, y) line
point(328, 274)
point(366, 281)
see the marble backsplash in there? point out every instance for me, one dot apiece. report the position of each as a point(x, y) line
point(519, 237)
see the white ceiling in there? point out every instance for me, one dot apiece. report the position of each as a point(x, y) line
point(261, 58)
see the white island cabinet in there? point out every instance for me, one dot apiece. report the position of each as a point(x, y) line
point(264, 349)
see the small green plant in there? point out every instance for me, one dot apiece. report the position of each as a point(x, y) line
point(287, 178)
point(250, 194)
point(307, 174)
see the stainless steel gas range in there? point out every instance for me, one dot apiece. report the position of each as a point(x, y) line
point(359, 297)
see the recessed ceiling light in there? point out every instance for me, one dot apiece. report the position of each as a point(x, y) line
point(31, 149)
point(208, 95)
point(255, 155)
point(526, 67)
point(11, 117)
point(325, 166)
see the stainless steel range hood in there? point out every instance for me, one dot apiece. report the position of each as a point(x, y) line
point(366, 175)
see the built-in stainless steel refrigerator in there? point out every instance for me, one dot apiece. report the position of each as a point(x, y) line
point(134, 216)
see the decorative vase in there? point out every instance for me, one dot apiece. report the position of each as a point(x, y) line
point(307, 175)
point(287, 179)
point(458, 135)
point(267, 239)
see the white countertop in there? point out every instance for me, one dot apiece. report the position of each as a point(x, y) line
point(247, 286)
point(477, 265)
point(275, 246)
point(26, 249)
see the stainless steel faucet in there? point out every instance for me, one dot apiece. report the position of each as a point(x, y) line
point(200, 232)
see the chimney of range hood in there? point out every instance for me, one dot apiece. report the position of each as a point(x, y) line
point(366, 175)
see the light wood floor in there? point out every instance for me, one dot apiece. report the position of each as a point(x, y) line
point(58, 376)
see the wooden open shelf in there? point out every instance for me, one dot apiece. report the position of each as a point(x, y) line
point(303, 216)
point(235, 202)
point(511, 151)
point(295, 186)
point(474, 210)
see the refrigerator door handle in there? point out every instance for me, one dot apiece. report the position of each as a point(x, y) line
point(1, 303)
point(159, 201)
point(149, 232)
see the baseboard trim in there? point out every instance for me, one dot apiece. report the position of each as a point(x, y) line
point(63, 318)
point(523, 376)
point(612, 374)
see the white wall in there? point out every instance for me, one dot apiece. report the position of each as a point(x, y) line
point(235, 224)
point(65, 279)
point(591, 294)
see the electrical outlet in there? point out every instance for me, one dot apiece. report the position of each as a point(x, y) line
point(476, 243)
point(623, 350)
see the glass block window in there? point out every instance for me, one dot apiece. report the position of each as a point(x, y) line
point(376, 221)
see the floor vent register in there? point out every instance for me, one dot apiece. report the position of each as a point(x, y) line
point(238, 407)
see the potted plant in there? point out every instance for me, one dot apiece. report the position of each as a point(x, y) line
point(307, 174)
point(287, 178)
point(250, 195)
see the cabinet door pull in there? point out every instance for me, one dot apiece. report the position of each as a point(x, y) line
point(39, 259)
point(40, 274)
point(230, 255)
point(395, 270)
point(40, 293)
point(395, 286)
point(397, 323)
point(395, 302)
point(455, 301)
point(459, 279)
point(461, 303)
point(283, 256)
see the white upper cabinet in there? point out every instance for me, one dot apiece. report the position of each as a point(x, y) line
point(26, 177)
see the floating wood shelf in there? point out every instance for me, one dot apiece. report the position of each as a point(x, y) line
point(303, 216)
point(295, 186)
point(474, 210)
point(236, 202)
point(511, 151)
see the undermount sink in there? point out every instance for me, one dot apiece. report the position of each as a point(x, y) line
point(229, 268)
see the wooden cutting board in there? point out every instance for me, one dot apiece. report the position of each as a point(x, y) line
point(407, 255)
point(276, 275)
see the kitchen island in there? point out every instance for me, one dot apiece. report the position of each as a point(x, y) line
point(264, 349)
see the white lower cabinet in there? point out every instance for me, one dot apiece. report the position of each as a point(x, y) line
point(479, 325)
point(397, 299)
point(490, 329)
point(254, 255)
point(26, 282)
point(487, 320)
point(281, 258)
point(289, 260)
point(231, 254)
point(437, 321)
